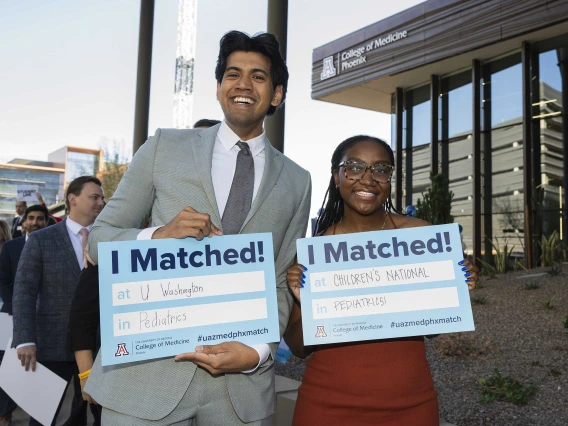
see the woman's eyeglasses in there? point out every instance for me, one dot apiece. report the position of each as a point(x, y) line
point(355, 170)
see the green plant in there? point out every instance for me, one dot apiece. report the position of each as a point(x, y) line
point(520, 265)
point(478, 285)
point(436, 205)
point(554, 270)
point(501, 256)
point(499, 387)
point(479, 300)
point(114, 167)
point(487, 269)
point(552, 250)
point(531, 286)
point(565, 322)
point(548, 306)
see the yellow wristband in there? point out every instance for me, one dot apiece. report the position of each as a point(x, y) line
point(84, 375)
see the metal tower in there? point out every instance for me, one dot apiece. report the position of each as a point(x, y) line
point(185, 60)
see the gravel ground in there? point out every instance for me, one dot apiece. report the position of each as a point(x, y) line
point(515, 334)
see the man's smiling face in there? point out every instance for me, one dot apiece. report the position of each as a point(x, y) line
point(246, 93)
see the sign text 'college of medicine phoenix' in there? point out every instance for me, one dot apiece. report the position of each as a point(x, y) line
point(384, 284)
point(357, 56)
point(161, 298)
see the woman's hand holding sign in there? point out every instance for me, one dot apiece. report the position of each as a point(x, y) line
point(470, 273)
point(188, 223)
point(296, 277)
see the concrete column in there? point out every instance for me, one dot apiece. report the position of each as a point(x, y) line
point(144, 74)
point(277, 24)
point(527, 154)
point(563, 64)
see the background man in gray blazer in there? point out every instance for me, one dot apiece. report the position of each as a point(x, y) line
point(47, 275)
point(197, 183)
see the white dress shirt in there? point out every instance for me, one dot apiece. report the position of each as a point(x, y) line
point(73, 229)
point(224, 163)
point(223, 167)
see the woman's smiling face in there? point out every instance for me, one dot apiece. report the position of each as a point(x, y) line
point(365, 196)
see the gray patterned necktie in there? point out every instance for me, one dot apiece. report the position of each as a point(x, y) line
point(240, 197)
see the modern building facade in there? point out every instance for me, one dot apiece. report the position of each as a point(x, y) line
point(475, 89)
point(51, 177)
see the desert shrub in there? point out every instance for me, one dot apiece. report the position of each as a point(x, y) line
point(520, 265)
point(487, 270)
point(499, 387)
point(554, 270)
point(552, 250)
point(501, 258)
point(479, 300)
point(547, 305)
point(436, 203)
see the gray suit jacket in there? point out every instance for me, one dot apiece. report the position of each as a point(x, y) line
point(46, 279)
point(171, 171)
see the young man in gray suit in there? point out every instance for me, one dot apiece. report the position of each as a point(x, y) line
point(227, 179)
point(47, 275)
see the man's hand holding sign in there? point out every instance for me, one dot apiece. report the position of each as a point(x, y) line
point(188, 223)
point(226, 357)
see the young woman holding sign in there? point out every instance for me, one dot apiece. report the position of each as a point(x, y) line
point(381, 382)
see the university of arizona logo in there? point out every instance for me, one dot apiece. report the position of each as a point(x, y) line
point(321, 331)
point(328, 68)
point(121, 350)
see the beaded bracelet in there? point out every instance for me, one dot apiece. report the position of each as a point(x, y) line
point(84, 375)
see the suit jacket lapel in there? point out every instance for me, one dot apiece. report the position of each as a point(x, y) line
point(64, 242)
point(273, 164)
point(203, 156)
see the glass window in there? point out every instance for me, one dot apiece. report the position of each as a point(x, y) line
point(548, 124)
point(393, 145)
point(50, 184)
point(502, 156)
point(416, 144)
point(80, 164)
point(455, 156)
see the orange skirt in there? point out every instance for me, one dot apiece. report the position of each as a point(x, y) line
point(384, 382)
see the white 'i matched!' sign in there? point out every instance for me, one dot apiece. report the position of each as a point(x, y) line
point(162, 298)
point(383, 284)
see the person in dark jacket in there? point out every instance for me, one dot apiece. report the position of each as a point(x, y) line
point(83, 334)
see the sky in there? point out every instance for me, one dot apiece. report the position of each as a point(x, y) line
point(68, 73)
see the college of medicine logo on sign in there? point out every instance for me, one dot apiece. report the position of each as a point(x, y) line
point(321, 332)
point(328, 68)
point(121, 350)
